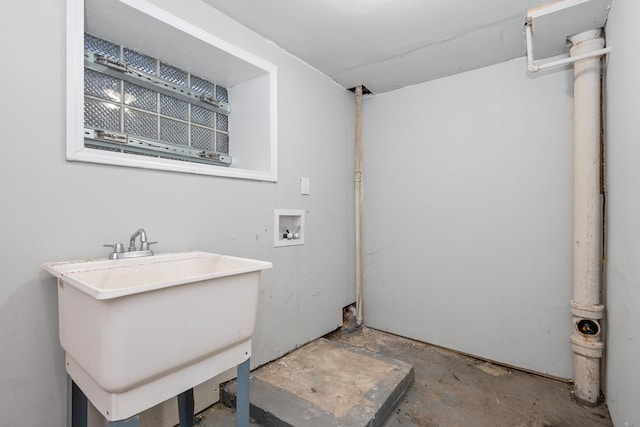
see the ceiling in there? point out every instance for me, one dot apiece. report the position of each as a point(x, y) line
point(389, 44)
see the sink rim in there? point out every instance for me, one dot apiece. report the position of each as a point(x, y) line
point(64, 271)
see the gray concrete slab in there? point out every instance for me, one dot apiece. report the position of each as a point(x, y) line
point(455, 390)
point(326, 383)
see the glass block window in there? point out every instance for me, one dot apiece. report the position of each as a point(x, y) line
point(119, 105)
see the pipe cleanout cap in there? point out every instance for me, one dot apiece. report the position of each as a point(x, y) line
point(588, 327)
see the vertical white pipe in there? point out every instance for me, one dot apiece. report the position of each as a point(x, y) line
point(358, 204)
point(531, 64)
point(587, 212)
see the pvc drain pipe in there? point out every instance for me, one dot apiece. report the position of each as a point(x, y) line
point(587, 217)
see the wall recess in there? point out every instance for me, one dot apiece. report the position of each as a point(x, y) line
point(288, 227)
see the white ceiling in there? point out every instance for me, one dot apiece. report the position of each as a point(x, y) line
point(389, 44)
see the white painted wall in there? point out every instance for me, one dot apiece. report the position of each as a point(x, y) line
point(467, 214)
point(55, 210)
point(623, 213)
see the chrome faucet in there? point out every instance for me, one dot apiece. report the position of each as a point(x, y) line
point(133, 252)
point(144, 246)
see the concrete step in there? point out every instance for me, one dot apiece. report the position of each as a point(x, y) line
point(324, 384)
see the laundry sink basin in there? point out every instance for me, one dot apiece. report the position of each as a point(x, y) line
point(139, 331)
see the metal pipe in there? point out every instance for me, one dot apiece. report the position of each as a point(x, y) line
point(587, 216)
point(358, 204)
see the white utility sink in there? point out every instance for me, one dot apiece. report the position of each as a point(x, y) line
point(139, 331)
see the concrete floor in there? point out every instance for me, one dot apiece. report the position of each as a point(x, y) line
point(326, 384)
point(454, 390)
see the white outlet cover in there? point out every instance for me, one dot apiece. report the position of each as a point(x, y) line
point(304, 186)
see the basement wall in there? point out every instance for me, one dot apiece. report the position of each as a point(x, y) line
point(57, 210)
point(622, 103)
point(467, 214)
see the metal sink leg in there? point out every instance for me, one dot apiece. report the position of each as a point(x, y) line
point(186, 408)
point(242, 397)
point(79, 407)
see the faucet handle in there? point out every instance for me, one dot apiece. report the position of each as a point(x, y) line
point(118, 248)
point(145, 246)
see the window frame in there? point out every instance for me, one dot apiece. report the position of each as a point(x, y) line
point(75, 146)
